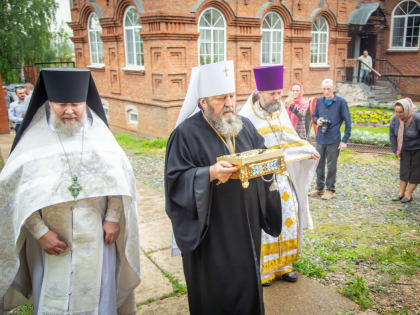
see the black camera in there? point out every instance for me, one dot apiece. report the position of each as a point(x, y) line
point(325, 125)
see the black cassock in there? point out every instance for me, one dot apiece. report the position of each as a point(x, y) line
point(218, 227)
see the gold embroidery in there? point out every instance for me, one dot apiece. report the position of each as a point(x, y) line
point(285, 196)
point(275, 128)
point(289, 145)
point(276, 264)
point(269, 249)
point(290, 244)
point(288, 222)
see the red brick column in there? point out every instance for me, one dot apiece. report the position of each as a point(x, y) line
point(4, 122)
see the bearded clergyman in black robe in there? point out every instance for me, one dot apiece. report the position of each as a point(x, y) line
point(216, 222)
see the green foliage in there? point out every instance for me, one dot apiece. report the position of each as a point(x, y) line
point(309, 267)
point(25, 34)
point(27, 309)
point(131, 143)
point(154, 147)
point(367, 137)
point(370, 129)
point(61, 47)
point(178, 288)
point(357, 289)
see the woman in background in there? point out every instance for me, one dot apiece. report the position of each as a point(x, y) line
point(404, 134)
point(297, 107)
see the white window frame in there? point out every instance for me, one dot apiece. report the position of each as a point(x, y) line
point(129, 110)
point(405, 17)
point(134, 28)
point(212, 29)
point(98, 31)
point(319, 64)
point(271, 31)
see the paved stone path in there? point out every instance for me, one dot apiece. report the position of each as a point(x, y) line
point(155, 295)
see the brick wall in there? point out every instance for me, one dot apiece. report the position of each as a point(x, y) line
point(4, 121)
point(170, 38)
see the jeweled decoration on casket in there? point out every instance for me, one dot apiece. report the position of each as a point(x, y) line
point(256, 163)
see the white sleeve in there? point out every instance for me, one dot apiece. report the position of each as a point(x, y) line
point(36, 226)
point(115, 209)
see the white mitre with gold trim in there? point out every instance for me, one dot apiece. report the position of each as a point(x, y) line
point(205, 81)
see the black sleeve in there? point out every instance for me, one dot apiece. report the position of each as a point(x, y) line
point(187, 191)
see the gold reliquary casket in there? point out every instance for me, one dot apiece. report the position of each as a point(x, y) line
point(256, 163)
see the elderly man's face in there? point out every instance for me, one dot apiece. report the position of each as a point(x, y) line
point(20, 93)
point(328, 91)
point(219, 106)
point(270, 97)
point(69, 113)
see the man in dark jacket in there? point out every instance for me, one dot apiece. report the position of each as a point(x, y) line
point(329, 114)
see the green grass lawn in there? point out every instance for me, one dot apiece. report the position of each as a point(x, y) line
point(153, 147)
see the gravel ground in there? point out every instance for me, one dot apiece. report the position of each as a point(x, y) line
point(148, 170)
point(361, 233)
point(358, 234)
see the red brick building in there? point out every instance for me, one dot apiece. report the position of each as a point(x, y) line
point(141, 51)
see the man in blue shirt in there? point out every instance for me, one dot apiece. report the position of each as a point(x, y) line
point(17, 108)
point(329, 114)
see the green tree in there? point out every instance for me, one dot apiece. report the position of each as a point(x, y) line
point(61, 46)
point(25, 35)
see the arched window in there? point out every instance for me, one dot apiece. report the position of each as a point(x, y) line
point(131, 114)
point(406, 25)
point(272, 42)
point(133, 44)
point(95, 41)
point(212, 41)
point(319, 43)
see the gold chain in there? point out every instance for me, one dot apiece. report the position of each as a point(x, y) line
point(220, 136)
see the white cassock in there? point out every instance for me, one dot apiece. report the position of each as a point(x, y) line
point(278, 253)
point(91, 277)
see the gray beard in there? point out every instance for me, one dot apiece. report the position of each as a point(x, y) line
point(68, 129)
point(227, 127)
point(271, 107)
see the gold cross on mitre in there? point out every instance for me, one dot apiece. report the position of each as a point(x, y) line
point(226, 70)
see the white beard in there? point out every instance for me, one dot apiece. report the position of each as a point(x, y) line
point(67, 128)
point(227, 126)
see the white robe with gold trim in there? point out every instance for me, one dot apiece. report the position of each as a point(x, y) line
point(277, 254)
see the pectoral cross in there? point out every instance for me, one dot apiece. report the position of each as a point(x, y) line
point(226, 70)
point(75, 188)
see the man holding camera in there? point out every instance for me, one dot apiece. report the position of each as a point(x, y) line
point(329, 114)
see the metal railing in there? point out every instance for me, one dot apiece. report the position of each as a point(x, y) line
point(360, 62)
point(54, 64)
point(389, 72)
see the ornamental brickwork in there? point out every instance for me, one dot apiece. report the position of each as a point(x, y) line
point(145, 100)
